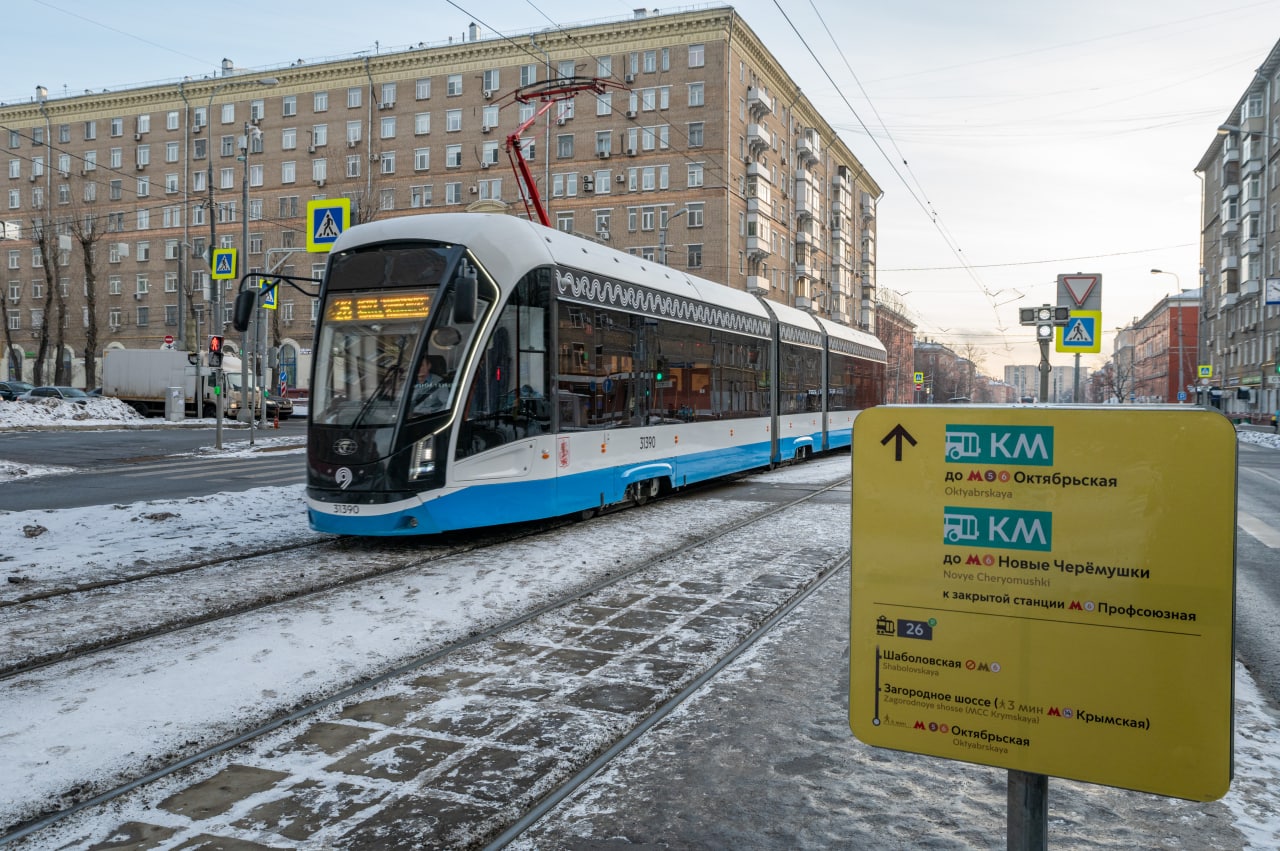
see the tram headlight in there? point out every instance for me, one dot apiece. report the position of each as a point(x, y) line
point(422, 460)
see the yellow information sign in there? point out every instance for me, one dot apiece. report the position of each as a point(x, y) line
point(1047, 590)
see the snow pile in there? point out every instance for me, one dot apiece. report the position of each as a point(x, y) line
point(97, 411)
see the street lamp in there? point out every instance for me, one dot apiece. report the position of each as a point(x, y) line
point(216, 322)
point(46, 226)
point(1180, 384)
point(662, 234)
point(252, 133)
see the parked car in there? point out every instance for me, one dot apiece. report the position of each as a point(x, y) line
point(10, 390)
point(69, 394)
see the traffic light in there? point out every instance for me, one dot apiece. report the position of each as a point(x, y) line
point(660, 369)
point(215, 351)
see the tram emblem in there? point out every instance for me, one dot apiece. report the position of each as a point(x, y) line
point(343, 477)
point(345, 446)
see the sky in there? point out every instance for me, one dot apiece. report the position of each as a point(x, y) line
point(1014, 141)
point(68, 723)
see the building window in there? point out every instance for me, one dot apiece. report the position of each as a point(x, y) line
point(697, 55)
point(564, 146)
point(388, 97)
point(386, 199)
point(355, 95)
point(453, 85)
point(353, 166)
point(320, 102)
point(696, 94)
point(353, 133)
point(421, 159)
point(695, 175)
point(452, 120)
point(387, 127)
point(420, 196)
point(564, 221)
point(529, 75)
point(289, 172)
point(288, 138)
point(695, 256)
point(452, 156)
point(453, 193)
point(228, 113)
point(422, 124)
point(388, 165)
point(695, 134)
point(144, 317)
point(422, 89)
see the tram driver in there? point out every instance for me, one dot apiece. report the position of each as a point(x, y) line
point(431, 389)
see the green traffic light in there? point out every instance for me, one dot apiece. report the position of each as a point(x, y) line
point(657, 376)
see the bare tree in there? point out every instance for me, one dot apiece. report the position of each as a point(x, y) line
point(46, 241)
point(86, 230)
point(8, 342)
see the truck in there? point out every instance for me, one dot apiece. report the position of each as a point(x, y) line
point(141, 378)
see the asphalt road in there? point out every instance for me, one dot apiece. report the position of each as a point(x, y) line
point(128, 465)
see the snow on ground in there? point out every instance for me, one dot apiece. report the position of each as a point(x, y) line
point(92, 536)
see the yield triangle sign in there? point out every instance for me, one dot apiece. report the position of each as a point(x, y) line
point(1078, 286)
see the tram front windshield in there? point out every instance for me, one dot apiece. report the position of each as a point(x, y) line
point(377, 307)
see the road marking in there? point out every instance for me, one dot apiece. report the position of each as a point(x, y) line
point(1266, 535)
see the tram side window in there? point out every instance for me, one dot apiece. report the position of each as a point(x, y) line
point(842, 386)
point(600, 373)
point(508, 399)
point(740, 382)
point(799, 380)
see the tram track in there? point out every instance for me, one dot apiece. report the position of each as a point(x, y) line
point(498, 632)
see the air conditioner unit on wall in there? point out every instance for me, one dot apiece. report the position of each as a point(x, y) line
point(631, 113)
point(485, 164)
point(629, 78)
point(602, 234)
point(488, 94)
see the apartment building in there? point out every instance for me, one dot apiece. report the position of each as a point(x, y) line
point(696, 147)
point(1240, 250)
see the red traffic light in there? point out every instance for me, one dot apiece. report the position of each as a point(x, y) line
point(215, 350)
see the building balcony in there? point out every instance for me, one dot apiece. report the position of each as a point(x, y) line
point(1252, 207)
point(868, 208)
point(806, 208)
point(808, 149)
point(838, 233)
point(1252, 167)
point(1230, 227)
point(758, 246)
point(1231, 156)
point(761, 171)
point(1251, 246)
point(803, 237)
point(1231, 190)
point(759, 205)
point(758, 103)
point(757, 284)
point(759, 137)
point(838, 208)
point(1229, 261)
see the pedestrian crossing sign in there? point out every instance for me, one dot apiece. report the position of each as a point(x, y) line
point(1080, 334)
point(1204, 370)
point(268, 300)
point(327, 218)
point(224, 264)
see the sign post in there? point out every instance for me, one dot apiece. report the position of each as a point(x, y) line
point(1024, 593)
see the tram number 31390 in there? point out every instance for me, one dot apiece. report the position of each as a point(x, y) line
point(648, 442)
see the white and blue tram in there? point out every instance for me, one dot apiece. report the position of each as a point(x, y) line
point(472, 370)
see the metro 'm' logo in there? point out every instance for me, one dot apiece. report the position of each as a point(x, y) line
point(1029, 446)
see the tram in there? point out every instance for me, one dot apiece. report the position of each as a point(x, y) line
point(476, 369)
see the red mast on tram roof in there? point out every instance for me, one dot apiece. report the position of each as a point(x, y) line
point(552, 91)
